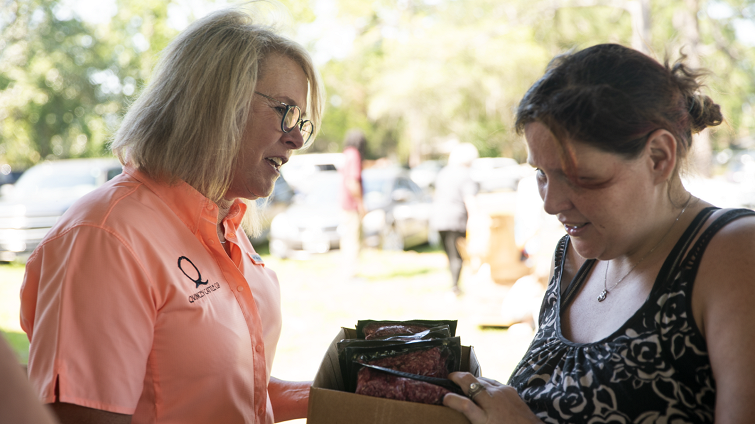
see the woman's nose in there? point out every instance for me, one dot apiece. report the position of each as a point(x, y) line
point(555, 198)
point(294, 139)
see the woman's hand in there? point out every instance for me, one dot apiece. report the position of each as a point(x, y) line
point(498, 403)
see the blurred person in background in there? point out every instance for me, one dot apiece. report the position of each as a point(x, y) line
point(352, 202)
point(453, 200)
point(146, 303)
point(19, 403)
point(647, 316)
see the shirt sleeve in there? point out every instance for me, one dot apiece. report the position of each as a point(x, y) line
point(89, 311)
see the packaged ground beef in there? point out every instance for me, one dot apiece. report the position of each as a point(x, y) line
point(431, 358)
point(439, 332)
point(371, 329)
point(341, 346)
point(376, 383)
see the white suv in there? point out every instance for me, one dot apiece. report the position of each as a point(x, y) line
point(41, 195)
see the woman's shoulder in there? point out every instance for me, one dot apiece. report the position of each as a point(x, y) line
point(735, 233)
point(730, 241)
point(726, 265)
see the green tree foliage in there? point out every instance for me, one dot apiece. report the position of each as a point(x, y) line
point(424, 73)
point(415, 75)
point(428, 74)
point(65, 83)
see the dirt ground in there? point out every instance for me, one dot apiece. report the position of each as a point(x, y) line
point(395, 286)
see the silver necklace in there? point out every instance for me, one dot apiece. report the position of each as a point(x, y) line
point(604, 293)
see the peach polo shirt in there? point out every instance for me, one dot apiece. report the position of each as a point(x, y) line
point(132, 306)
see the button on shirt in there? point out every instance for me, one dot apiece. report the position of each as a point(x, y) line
point(133, 306)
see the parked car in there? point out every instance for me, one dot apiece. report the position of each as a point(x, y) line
point(496, 174)
point(398, 213)
point(426, 172)
point(41, 195)
point(398, 210)
point(301, 167)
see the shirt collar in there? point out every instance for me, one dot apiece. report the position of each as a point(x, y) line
point(187, 203)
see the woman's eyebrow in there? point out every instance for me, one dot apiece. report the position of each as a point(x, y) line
point(287, 100)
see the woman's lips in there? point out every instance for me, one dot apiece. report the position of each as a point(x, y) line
point(575, 230)
point(276, 163)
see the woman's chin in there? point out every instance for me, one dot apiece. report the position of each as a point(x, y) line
point(585, 249)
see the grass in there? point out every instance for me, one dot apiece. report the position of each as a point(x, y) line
point(19, 343)
point(11, 277)
point(317, 301)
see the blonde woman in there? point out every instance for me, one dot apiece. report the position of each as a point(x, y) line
point(147, 303)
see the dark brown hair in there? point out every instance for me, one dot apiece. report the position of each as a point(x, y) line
point(355, 138)
point(612, 97)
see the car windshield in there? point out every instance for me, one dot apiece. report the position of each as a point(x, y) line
point(46, 178)
point(325, 191)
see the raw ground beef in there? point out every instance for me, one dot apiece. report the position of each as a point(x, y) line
point(377, 329)
point(379, 384)
point(428, 362)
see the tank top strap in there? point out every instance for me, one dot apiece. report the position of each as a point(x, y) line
point(673, 260)
point(669, 267)
point(559, 257)
point(571, 289)
point(692, 259)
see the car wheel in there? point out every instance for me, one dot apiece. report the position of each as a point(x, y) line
point(392, 239)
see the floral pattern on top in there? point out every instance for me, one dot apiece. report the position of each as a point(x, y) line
point(654, 369)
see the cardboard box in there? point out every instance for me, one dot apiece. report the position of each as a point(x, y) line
point(329, 404)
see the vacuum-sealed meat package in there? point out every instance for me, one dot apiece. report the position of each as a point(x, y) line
point(371, 382)
point(371, 329)
point(341, 346)
point(439, 332)
point(431, 358)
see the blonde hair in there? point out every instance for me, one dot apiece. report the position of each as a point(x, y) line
point(188, 122)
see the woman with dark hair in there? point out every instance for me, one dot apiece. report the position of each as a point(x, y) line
point(647, 317)
point(146, 303)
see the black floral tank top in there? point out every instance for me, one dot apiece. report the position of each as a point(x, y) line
point(655, 368)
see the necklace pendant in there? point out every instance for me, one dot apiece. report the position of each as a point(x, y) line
point(602, 295)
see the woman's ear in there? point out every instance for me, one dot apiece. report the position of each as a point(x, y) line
point(661, 147)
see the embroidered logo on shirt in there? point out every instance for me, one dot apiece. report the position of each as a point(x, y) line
point(198, 281)
point(202, 293)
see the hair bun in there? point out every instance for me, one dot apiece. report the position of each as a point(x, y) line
point(703, 112)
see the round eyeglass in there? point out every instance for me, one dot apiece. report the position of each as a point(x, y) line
point(291, 118)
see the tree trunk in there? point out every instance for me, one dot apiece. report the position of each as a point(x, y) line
point(640, 12)
point(701, 154)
